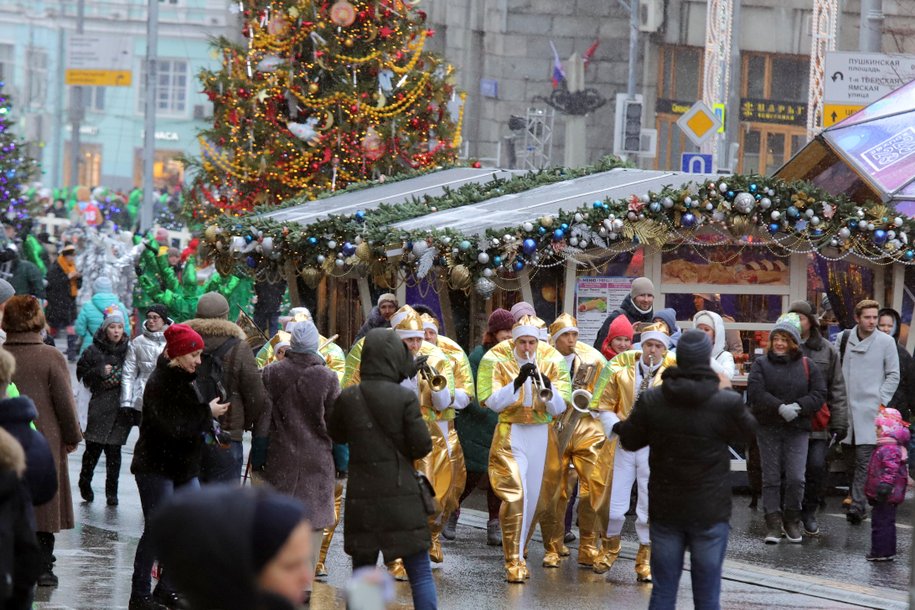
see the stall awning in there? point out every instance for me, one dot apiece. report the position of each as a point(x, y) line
point(512, 210)
point(868, 156)
point(401, 191)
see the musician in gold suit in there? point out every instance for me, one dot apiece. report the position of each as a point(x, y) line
point(581, 438)
point(617, 388)
point(526, 382)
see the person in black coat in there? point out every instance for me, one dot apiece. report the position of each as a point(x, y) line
point(255, 556)
point(64, 282)
point(638, 306)
point(167, 454)
point(100, 368)
point(889, 321)
point(379, 316)
point(784, 390)
point(381, 422)
point(688, 423)
point(20, 557)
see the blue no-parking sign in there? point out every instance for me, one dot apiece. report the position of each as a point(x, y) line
point(696, 163)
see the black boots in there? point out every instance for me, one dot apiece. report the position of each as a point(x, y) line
point(773, 528)
point(111, 487)
point(47, 578)
point(792, 526)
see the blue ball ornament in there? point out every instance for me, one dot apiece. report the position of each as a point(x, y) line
point(518, 265)
point(251, 262)
point(731, 194)
point(597, 205)
point(558, 234)
point(564, 227)
point(464, 245)
point(852, 224)
point(793, 211)
point(688, 220)
point(774, 227)
point(529, 246)
point(909, 255)
point(880, 237)
point(249, 238)
point(753, 188)
point(348, 249)
point(312, 241)
point(655, 206)
point(360, 216)
point(496, 260)
point(541, 230)
point(409, 245)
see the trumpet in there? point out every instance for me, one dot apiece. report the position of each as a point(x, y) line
point(437, 382)
point(545, 393)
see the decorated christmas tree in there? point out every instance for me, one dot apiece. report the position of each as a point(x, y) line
point(17, 168)
point(322, 95)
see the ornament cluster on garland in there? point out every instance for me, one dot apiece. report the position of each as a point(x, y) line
point(792, 217)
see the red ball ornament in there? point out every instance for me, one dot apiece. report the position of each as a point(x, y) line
point(242, 92)
point(354, 108)
point(476, 165)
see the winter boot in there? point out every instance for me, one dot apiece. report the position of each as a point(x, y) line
point(111, 488)
point(85, 479)
point(144, 602)
point(493, 533)
point(72, 348)
point(811, 528)
point(449, 532)
point(643, 563)
point(46, 578)
point(792, 526)
point(773, 528)
point(609, 552)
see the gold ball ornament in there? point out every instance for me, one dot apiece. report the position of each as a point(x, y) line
point(373, 145)
point(364, 252)
point(210, 233)
point(548, 292)
point(311, 276)
point(460, 278)
point(547, 221)
point(348, 43)
point(277, 26)
point(313, 88)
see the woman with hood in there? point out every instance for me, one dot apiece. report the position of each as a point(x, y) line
point(99, 369)
point(301, 391)
point(380, 316)
point(93, 312)
point(382, 423)
point(618, 339)
point(712, 325)
point(142, 355)
point(254, 556)
point(889, 321)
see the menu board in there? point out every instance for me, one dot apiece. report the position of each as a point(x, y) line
point(595, 299)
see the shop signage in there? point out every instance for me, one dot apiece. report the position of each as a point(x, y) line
point(595, 298)
point(773, 111)
point(665, 106)
point(862, 78)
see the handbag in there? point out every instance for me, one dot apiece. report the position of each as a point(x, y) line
point(426, 491)
point(820, 419)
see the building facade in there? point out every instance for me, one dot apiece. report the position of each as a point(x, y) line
point(502, 49)
point(33, 55)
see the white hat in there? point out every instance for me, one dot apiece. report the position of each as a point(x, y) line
point(655, 332)
point(526, 327)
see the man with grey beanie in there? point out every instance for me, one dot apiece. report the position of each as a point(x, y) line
point(638, 306)
point(228, 369)
point(688, 423)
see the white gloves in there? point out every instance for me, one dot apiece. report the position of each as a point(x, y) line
point(789, 412)
point(607, 420)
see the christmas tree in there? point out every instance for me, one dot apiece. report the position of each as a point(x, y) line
point(17, 168)
point(322, 95)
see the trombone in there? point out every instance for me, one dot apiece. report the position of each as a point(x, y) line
point(437, 382)
point(545, 393)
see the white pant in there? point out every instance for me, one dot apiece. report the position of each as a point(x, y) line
point(629, 467)
point(529, 450)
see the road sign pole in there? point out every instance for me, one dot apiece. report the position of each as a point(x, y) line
point(149, 135)
point(871, 32)
point(76, 107)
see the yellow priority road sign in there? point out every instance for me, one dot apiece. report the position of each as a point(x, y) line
point(699, 123)
point(833, 113)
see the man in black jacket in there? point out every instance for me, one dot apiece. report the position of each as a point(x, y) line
point(638, 306)
point(688, 423)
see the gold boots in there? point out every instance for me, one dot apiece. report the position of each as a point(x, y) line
point(643, 563)
point(610, 551)
point(435, 553)
point(397, 570)
point(587, 551)
point(551, 560)
point(516, 571)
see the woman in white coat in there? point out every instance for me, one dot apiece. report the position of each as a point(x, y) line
point(712, 325)
point(141, 358)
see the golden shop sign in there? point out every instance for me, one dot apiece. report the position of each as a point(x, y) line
point(773, 111)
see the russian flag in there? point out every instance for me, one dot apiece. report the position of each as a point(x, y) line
point(559, 75)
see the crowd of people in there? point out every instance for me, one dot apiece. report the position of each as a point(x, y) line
point(399, 430)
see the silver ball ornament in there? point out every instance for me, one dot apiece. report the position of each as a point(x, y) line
point(744, 203)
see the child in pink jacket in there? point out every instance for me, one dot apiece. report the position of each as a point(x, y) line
point(887, 475)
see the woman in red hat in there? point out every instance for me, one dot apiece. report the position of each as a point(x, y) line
point(167, 454)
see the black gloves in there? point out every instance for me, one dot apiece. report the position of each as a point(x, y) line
point(529, 370)
point(420, 361)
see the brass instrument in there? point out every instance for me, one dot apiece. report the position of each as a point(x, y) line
point(545, 393)
point(437, 382)
point(327, 342)
point(646, 380)
point(584, 378)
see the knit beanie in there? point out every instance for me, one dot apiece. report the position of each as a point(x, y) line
point(641, 285)
point(180, 340)
point(521, 309)
point(213, 305)
point(275, 517)
point(6, 291)
point(102, 284)
point(115, 317)
point(160, 310)
point(387, 296)
point(620, 327)
point(694, 350)
point(790, 324)
point(304, 337)
point(669, 316)
point(500, 319)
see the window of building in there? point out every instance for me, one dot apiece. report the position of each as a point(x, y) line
point(775, 77)
point(7, 62)
point(171, 87)
point(93, 98)
point(89, 166)
point(168, 171)
point(679, 86)
point(36, 61)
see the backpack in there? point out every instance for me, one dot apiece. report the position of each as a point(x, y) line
point(210, 372)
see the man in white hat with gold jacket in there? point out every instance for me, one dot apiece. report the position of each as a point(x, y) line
point(581, 438)
point(525, 381)
point(615, 393)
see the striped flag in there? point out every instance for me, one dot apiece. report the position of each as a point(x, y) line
point(559, 75)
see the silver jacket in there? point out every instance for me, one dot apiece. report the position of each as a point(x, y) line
point(139, 364)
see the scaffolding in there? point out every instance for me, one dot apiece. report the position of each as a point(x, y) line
point(537, 143)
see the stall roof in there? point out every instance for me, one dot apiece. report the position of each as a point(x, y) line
point(869, 155)
point(512, 210)
point(401, 191)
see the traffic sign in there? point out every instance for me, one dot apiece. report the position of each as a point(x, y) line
point(720, 112)
point(696, 163)
point(833, 113)
point(861, 78)
point(699, 123)
point(99, 61)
